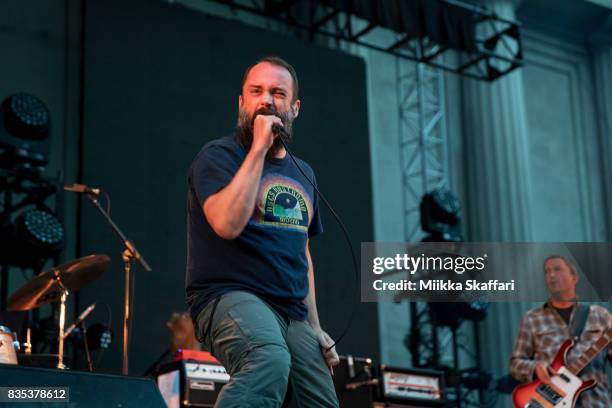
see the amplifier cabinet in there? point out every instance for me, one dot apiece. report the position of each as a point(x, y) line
point(187, 383)
point(86, 390)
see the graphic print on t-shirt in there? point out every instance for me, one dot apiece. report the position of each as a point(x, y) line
point(282, 203)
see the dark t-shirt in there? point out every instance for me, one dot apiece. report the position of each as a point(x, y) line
point(565, 313)
point(269, 257)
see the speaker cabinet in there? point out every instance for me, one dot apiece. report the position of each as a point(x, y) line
point(88, 390)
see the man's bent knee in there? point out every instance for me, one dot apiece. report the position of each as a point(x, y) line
point(271, 361)
point(260, 378)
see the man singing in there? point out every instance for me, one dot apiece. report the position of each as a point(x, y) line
point(545, 328)
point(250, 280)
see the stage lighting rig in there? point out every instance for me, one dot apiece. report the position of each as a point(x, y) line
point(30, 232)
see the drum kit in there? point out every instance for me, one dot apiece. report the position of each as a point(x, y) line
point(51, 286)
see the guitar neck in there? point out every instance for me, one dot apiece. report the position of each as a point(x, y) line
point(577, 366)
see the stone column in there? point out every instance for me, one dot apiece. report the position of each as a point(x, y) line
point(498, 188)
point(602, 62)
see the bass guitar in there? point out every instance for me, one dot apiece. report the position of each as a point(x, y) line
point(565, 385)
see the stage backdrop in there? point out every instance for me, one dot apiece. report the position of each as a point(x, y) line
point(161, 81)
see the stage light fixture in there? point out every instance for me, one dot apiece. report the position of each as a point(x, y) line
point(35, 236)
point(30, 232)
point(42, 228)
point(25, 123)
point(441, 216)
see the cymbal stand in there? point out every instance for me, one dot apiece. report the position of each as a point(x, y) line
point(62, 322)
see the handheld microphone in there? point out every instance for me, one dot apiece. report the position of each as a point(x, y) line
point(81, 317)
point(82, 188)
point(278, 130)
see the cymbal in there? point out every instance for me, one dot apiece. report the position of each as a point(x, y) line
point(44, 288)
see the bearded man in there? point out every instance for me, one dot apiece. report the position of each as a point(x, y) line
point(250, 280)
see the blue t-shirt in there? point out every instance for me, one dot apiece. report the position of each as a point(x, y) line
point(269, 257)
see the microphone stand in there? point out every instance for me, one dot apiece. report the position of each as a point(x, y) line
point(130, 253)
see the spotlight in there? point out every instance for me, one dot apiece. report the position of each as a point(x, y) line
point(441, 216)
point(42, 228)
point(24, 129)
point(35, 236)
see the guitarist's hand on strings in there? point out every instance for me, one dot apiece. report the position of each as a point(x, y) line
point(544, 372)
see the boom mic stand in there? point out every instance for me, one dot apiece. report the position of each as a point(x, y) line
point(130, 253)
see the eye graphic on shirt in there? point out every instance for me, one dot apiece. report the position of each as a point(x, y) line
point(282, 203)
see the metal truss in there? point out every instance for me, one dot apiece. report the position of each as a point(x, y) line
point(497, 47)
point(449, 349)
point(424, 163)
point(422, 138)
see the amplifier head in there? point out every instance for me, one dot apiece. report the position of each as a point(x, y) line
point(414, 386)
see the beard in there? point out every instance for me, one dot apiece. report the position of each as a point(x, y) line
point(245, 129)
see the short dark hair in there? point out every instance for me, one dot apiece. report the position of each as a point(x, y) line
point(274, 60)
point(568, 263)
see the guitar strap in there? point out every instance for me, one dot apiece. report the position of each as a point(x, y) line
point(580, 318)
